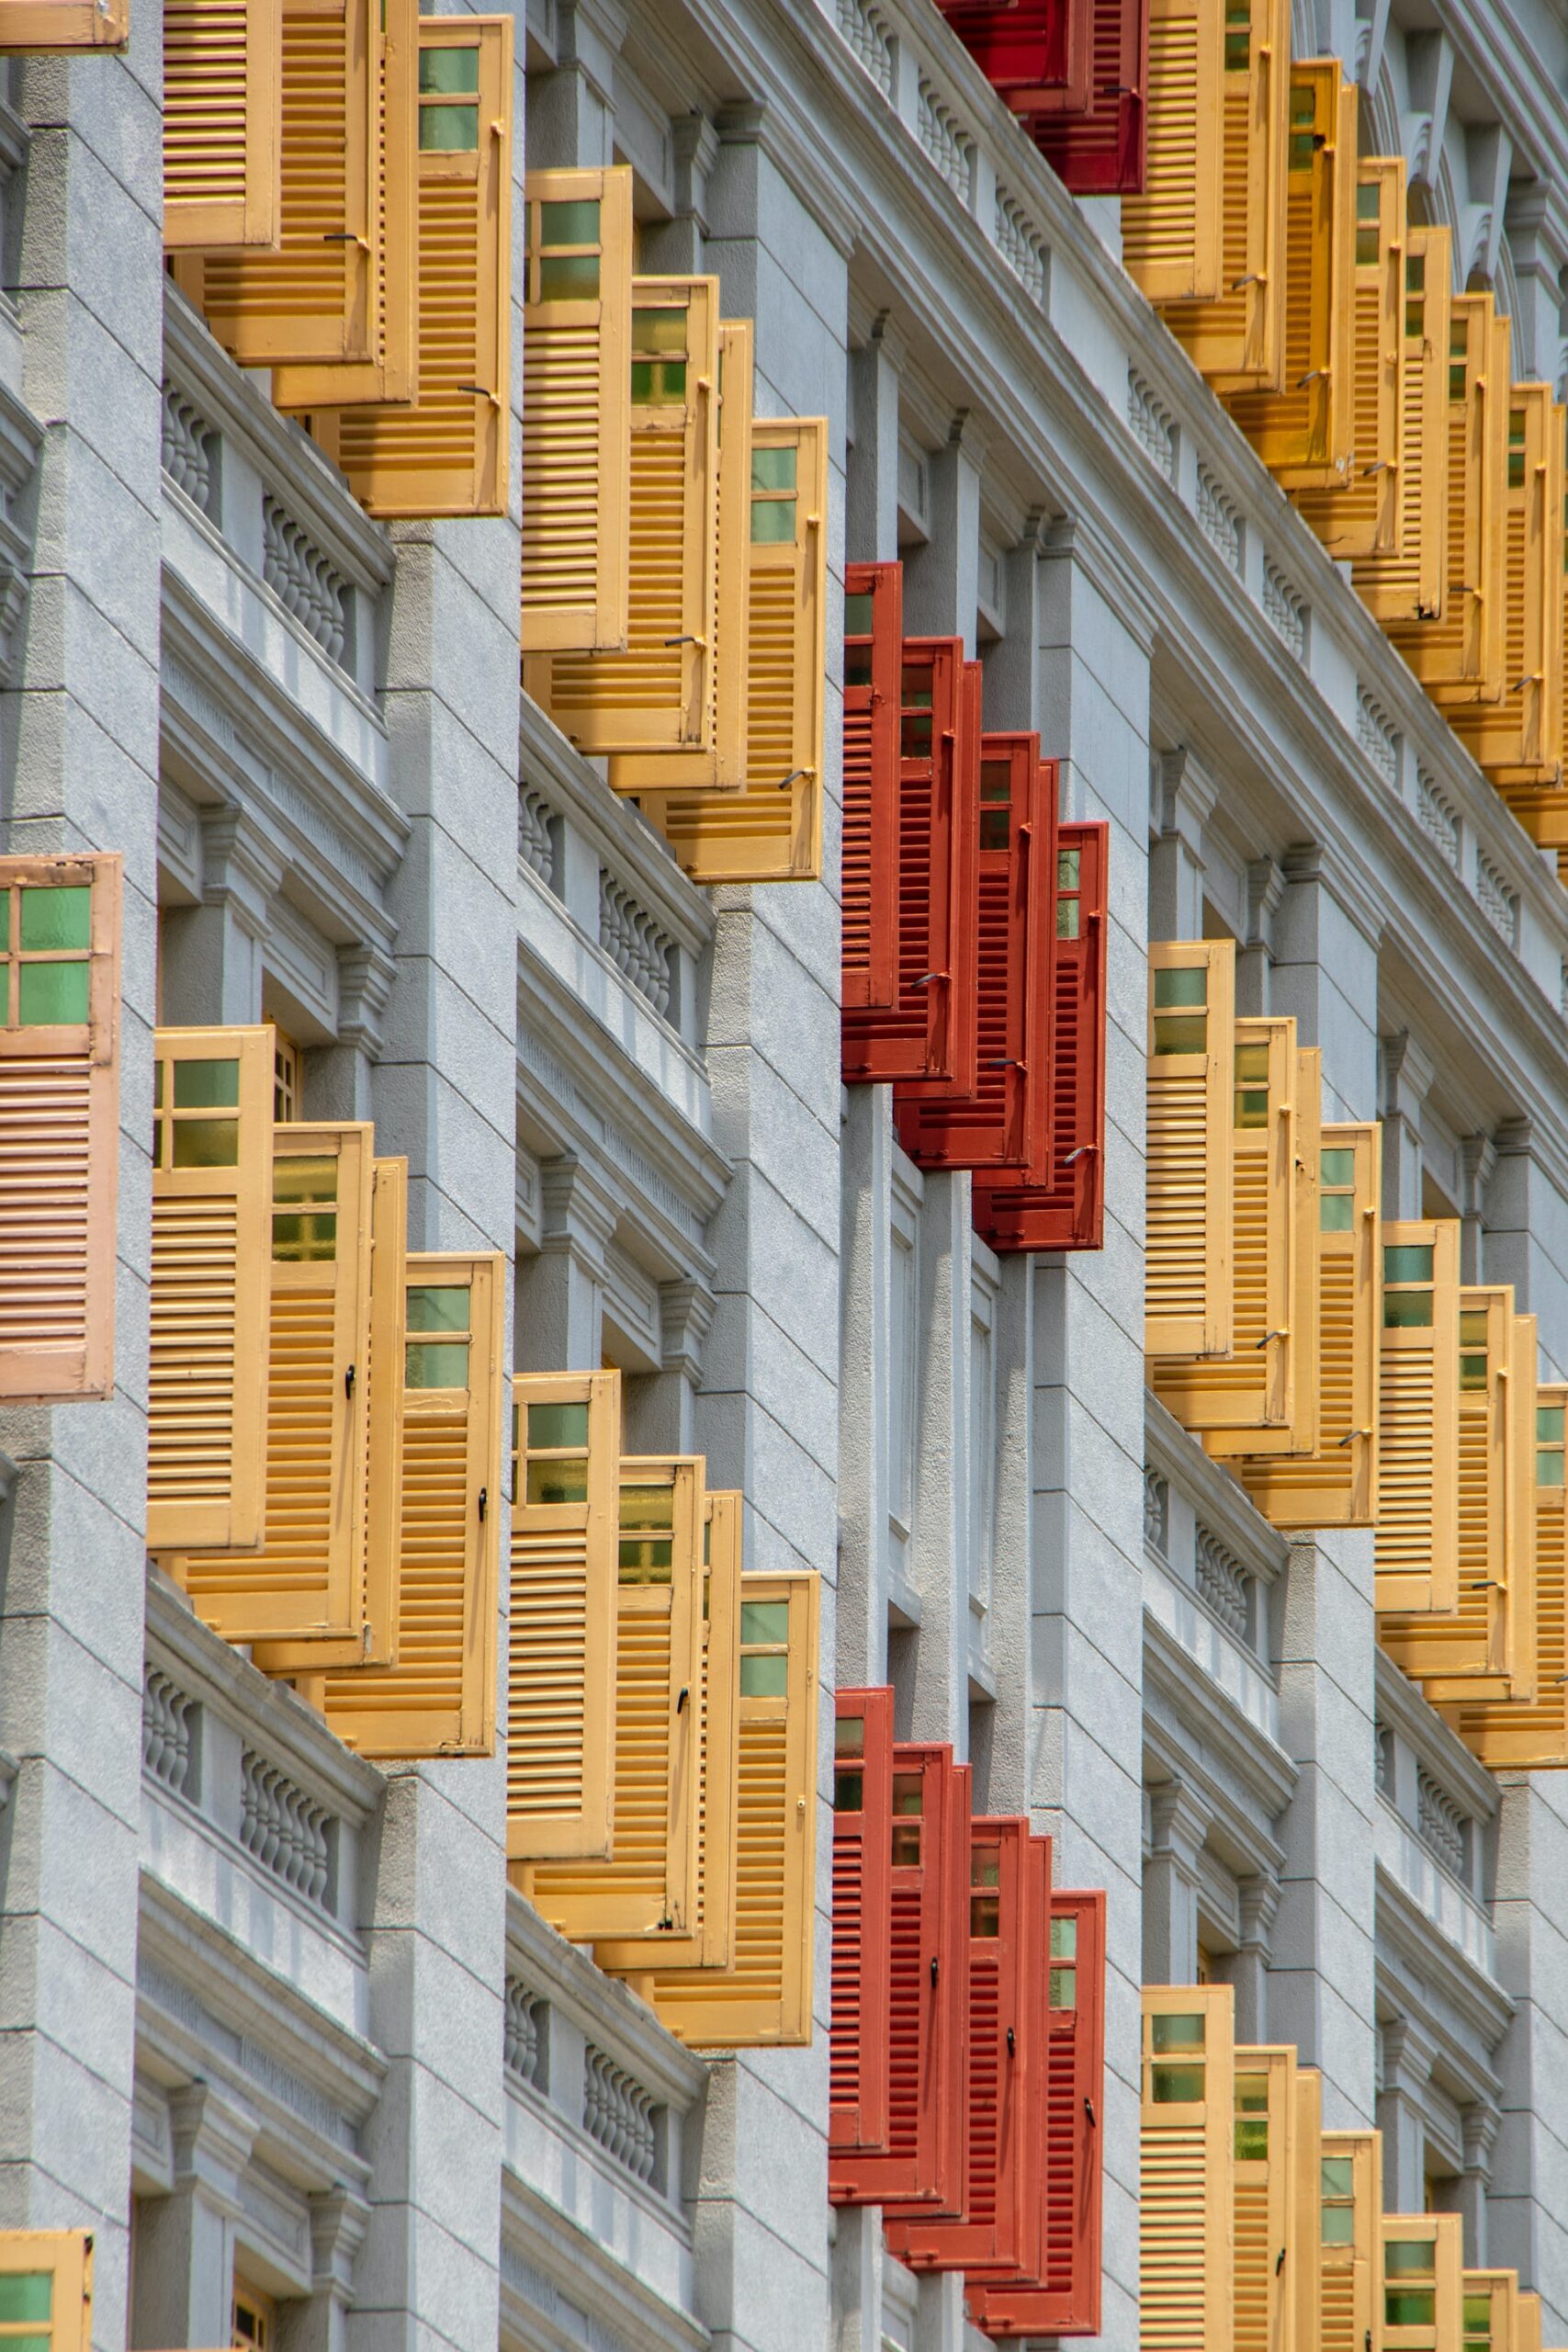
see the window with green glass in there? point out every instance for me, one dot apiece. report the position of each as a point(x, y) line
point(774, 495)
point(557, 1454)
point(436, 1352)
point(1368, 242)
point(46, 933)
point(1238, 36)
point(859, 623)
point(916, 708)
point(1304, 129)
point(304, 1209)
point(764, 1649)
point(1252, 2119)
point(1410, 2297)
point(1407, 1276)
point(1516, 448)
point(1416, 297)
point(1251, 1087)
point(1182, 1021)
point(1336, 1190)
point(1178, 2071)
point(27, 2310)
point(1478, 2321)
point(849, 1752)
point(564, 251)
point(908, 1801)
point(1063, 1982)
point(1472, 1350)
point(1549, 1445)
point(659, 354)
point(648, 1532)
point(1459, 356)
point(1069, 884)
point(448, 99)
point(996, 795)
point(984, 1891)
point(189, 1095)
point(1338, 2192)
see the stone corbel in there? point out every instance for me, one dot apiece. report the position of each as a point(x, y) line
point(365, 976)
point(1477, 1157)
point(686, 1318)
point(695, 147)
point(241, 870)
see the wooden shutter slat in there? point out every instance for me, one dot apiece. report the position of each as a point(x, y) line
point(60, 2262)
point(222, 167)
point(869, 866)
point(1188, 1294)
point(1507, 1670)
point(1171, 244)
point(1187, 2216)
point(1517, 738)
point(1417, 1554)
point(1236, 339)
point(1348, 2301)
point(1101, 149)
point(207, 1387)
point(1523, 1731)
point(577, 424)
point(858, 2085)
point(59, 1139)
point(1458, 652)
point(43, 25)
point(1409, 582)
point(1362, 518)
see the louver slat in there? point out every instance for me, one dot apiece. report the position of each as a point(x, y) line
point(874, 644)
point(439, 1699)
point(48, 2273)
point(1420, 2282)
point(1070, 1214)
point(561, 1680)
point(448, 453)
point(1517, 738)
point(59, 1115)
point(1351, 2191)
point(1187, 2220)
point(223, 171)
point(1410, 583)
point(1524, 1733)
point(1035, 53)
point(1101, 150)
point(763, 1997)
point(862, 1926)
point(1417, 1554)
point(1362, 518)
point(309, 1576)
point(1297, 1435)
point(1236, 340)
point(1188, 1294)
point(770, 831)
point(577, 410)
point(207, 1387)
point(1171, 244)
point(1459, 653)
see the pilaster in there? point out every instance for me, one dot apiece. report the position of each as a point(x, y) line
point(213, 954)
point(942, 580)
point(870, 496)
point(1184, 799)
point(1179, 1824)
point(1405, 1079)
point(560, 1294)
point(184, 2241)
point(1407, 2060)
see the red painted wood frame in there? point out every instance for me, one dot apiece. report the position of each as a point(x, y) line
point(1068, 1213)
point(1101, 152)
point(927, 1035)
point(1006, 1122)
point(863, 1920)
point(1063, 2298)
point(1035, 53)
point(874, 649)
point(927, 2036)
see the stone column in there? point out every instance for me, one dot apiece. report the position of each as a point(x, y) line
point(1524, 2205)
point(338, 1078)
point(1184, 798)
point(184, 2241)
point(319, 2322)
point(1406, 1078)
point(1407, 2055)
point(1249, 1970)
point(864, 1273)
point(571, 111)
point(1255, 956)
point(1012, 662)
point(211, 953)
point(1326, 934)
point(674, 248)
point(942, 580)
point(871, 491)
point(1524, 1210)
point(1479, 2122)
point(939, 1550)
point(1008, 1727)
point(1477, 1157)
point(660, 1410)
point(560, 1292)
point(1179, 1824)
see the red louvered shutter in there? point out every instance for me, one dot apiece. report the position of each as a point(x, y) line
point(1100, 151)
point(874, 644)
point(1005, 1120)
point(1068, 1213)
point(1035, 53)
point(862, 1924)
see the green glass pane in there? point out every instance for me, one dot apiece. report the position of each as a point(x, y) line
point(1478, 2314)
point(1407, 2308)
point(1300, 107)
point(5, 994)
point(304, 1179)
point(207, 1142)
point(1456, 383)
point(1336, 1212)
point(1067, 917)
point(916, 691)
point(984, 1866)
point(1252, 2094)
point(764, 1621)
point(657, 380)
point(1416, 274)
point(1069, 868)
point(996, 828)
point(904, 1846)
point(660, 333)
point(1301, 152)
point(1408, 1310)
point(1064, 1939)
point(763, 1678)
point(207, 1085)
point(644, 1508)
point(52, 995)
point(1408, 1262)
point(1548, 1424)
point(1252, 2143)
point(550, 1426)
point(1252, 1066)
point(857, 665)
point(1471, 1374)
point(1238, 51)
point(1472, 1327)
point(564, 1481)
point(644, 1559)
point(304, 1239)
point(1337, 2177)
point(849, 1792)
point(858, 612)
point(450, 72)
point(995, 780)
point(915, 735)
point(435, 1307)
point(448, 130)
point(1182, 1033)
point(1338, 2225)
point(1252, 1108)
point(575, 223)
point(1336, 1166)
point(1188, 986)
point(1064, 1988)
point(773, 522)
point(436, 1364)
point(1549, 1469)
point(56, 919)
point(984, 1915)
point(1409, 2258)
point(1180, 2029)
point(33, 2340)
point(908, 1792)
point(848, 1735)
point(26, 2294)
point(774, 469)
point(1179, 2086)
point(569, 278)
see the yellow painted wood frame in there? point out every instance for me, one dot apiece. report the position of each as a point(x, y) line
point(222, 124)
point(1410, 583)
point(1304, 2292)
point(1491, 2311)
point(1517, 1734)
point(1362, 518)
point(1507, 1666)
point(1350, 2165)
point(1517, 738)
point(29, 25)
point(1237, 340)
point(1265, 2192)
point(1417, 1554)
point(1187, 2138)
point(1297, 1436)
point(1459, 654)
point(54, 2270)
point(1172, 244)
point(1420, 2259)
point(1188, 1279)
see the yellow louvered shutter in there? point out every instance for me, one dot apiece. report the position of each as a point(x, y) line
point(1417, 1552)
point(1410, 581)
point(1171, 234)
point(1297, 1436)
point(1302, 431)
point(1238, 339)
point(659, 694)
point(1253, 1384)
point(577, 319)
point(206, 1384)
point(561, 1684)
point(708, 1941)
point(1494, 1658)
point(46, 2289)
point(1517, 1734)
point(58, 1125)
point(1351, 2171)
point(1188, 1278)
point(307, 1577)
point(1187, 2138)
point(26, 25)
point(722, 765)
point(223, 171)
point(1459, 654)
point(764, 1997)
point(375, 1611)
point(1517, 738)
point(448, 453)
point(1265, 2174)
point(1336, 1485)
point(1541, 679)
point(770, 831)
point(1491, 2311)
point(1304, 2286)
point(1419, 2259)
point(439, 1699)
point(1362, 518)
point(1527, 2327)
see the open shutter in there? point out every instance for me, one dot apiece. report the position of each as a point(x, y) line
point(309, 1576)
point(1101, 149)
point(873, 646)
point(1254, 1384)
point(1362, 518)
point(1421, 2291)
point(1171, 244)
point(1519, 1733)
point(1509, 1670)
point(1187, 1282)
point(1336, 1484)
point(374, 1614)
point(763, 1997)
point(1410, 581)
point(561, 1693)
point(1236, 339)
point(206, 1384)
point(770, 831)
point(1490, 2310)
point(62, 24)
point(1004, 1120)
point(1069, 1212)
point(1265, 2184)
point(1417, 1554)
point(1528, 2335)
point(46, 2289)
point(1035, 53)
point(58, 1125)
point(1541, 762)
point(1298, 1434)
point(577, 313)
point(1517, 738)
point(1350, 2176)
point(446, 453)
point(439, 1699)
point(862, 1924)
point(1303, 2285)
point(222, 79)
point(1458, 651)
point(644, 1889)
point(1187, 2215)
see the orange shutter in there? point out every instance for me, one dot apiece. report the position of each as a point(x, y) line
point(561, 1686)
point(1420, 2292)
point(764, 1995)
point(770, 831)
point(1362, 518)
point(206, 1384)
point(439, 1699)
point(1517, 738)
point(1516, 1736)
point(1188, 1304)
point(577, 319)
point(1238, 339)
point(1298, 1434)
point(1254, 1383)
point(1352, 2192)
point(309, 1576)
point(1459, 653)
point(1187, 2214)
point(381, 1461)
point(448, 453)
point(1410, 583)
point(1265, 2174)
point(62, 24)
point(58, 1125)
point(46, 2289)
point(222, 76)
point(644, 1887)
point(1171, 231)
point(1416, 1552)
point(1336, 1485)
